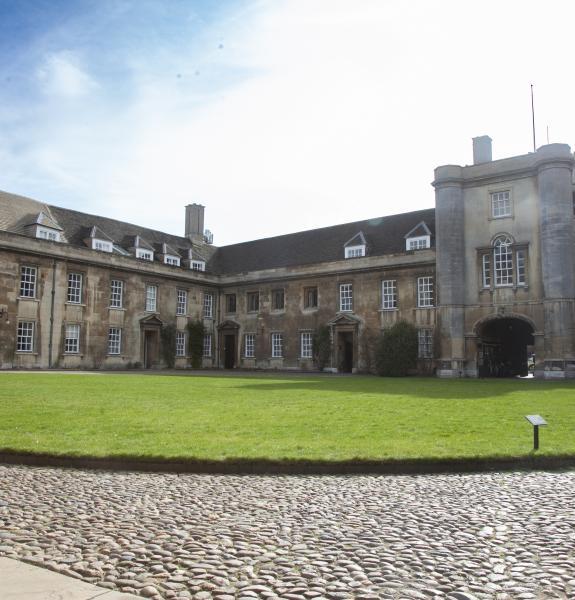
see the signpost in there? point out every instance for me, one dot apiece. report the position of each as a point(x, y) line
point(536, 421)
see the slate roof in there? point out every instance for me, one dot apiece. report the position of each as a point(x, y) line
point(383, 235)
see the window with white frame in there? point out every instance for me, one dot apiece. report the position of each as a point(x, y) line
point(520, 267)
point(388, 294)
point(500, 204)
point(503, 261)
point(249, 345)
point(345, 297)
point(277, 345)
point(424, 292)
point(418, 243)
point(151, 298)
point(354, 251)
point(45, 233)
point(181, 302)
point(144, 254)
point(425, 343)
point(72, 339)
point(208, 345)
point(27, 282)
point(208, 305)
point(180, 343)
point(25, 337)
point(102, 245)
point(114, 340)
point(197, 265)
point(486, 270)
point(74, 294)
point(116, 293)
point(306, 345)
point(169, 259)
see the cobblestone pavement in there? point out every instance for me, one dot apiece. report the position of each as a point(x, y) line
point(496, 535)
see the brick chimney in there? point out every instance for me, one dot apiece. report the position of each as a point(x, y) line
point(195, 223)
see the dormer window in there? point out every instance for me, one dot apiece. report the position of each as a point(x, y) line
point(418, 238)
point(197, 265)
point(144, 254)
point(169, 259)
point(356, 246)
point(46, 233)
point(102, 245)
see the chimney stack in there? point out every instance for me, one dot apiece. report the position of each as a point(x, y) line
point(481, 149)
point(195, 223)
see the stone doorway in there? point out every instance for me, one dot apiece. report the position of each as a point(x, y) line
point(150, 345)
point(229, 351)
point(228, 338)
point(345, 351)
point(505, 347)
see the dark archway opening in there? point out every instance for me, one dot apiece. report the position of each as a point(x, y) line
point(506, 345)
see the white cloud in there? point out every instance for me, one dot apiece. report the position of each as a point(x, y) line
point(61, 75)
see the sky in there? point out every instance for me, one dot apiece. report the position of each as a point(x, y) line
point(277, 116)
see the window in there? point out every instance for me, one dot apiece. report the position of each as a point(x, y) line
point(114, 340)
point(253, 301)
point(180, 343)
point(144, 254)
point(151, 298)
point(277, 345)
point(197, 265)
point(25, 338)
point(208, 306)
point(486, 276)
point(74, 288)
point(278, 300)
point(503, 261)
point(28, 282)
point(424, 292)
point(208, 345)
point(102, 245)
point(249, 345)
point(418, 243)
point(47, 234)
point(306, 345)
point(388, 294)
point(345, 297)
point(230, 303)
point(310, 297)
point(172, 260)
point(116, 293)
point(181, 302)
point(520, 267)
point(354, 251)
point(500, 204)
point(72, 339)
point(425, 343)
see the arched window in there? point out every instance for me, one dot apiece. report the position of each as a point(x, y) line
point(503, 260)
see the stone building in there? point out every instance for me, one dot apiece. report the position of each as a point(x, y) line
point(487, 277)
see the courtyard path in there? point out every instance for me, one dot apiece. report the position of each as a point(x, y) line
point(497, 535)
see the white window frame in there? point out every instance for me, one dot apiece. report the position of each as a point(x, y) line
point(116, 293)
point(114, 341)
point(28, 277)
point(277, 344)
point(25, 336)
point(500, 203)
point(45, 233)
point(346, 297)
point(521, 267)
point(249, 345)
point(389, 294)
point(197, 265)
point(74, 293)
point(180, 344)
point(207, 346)
point(355, 251)
point(144, 254)
point(306, 344)
point(425, 343)
point(418, 243)
point(151, 298)
point(170, 259)
point(425, 292)
point(72, 338)
point(486, 271)
point(208, 305)
point(102, 245)
point(181, 302)
point(503, 261)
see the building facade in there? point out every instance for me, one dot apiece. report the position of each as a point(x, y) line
point(487, 278)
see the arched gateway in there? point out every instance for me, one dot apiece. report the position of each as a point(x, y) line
point(505, 346)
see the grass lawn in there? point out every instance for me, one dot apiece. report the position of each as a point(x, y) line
point(275, 417)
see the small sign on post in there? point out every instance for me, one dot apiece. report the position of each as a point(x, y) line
point(536, 421)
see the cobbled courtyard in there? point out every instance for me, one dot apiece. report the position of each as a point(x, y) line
point(497, 535)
